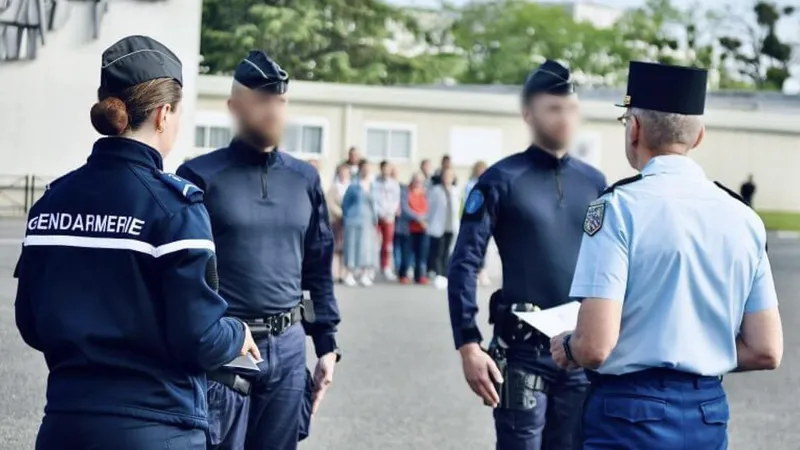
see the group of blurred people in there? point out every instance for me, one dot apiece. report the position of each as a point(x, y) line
point(405, 232)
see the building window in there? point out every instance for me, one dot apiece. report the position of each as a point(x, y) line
point(212, 136)
point(388, 143)
point(303, 139)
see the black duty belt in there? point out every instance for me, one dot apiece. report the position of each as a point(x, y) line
point(232, 380)
point(275, 324)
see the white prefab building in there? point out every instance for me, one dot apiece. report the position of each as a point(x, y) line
point(47, 90)
point(756, 133)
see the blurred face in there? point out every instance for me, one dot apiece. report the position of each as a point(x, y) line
point(416, 182)
point(447, 177)
point(425, 167)
point(353, 156)
point(260, 116)
point(553, 119)
point(343, 174)
point(445, 163)
point(386, 170)
point(167, 121)
point(363, 171)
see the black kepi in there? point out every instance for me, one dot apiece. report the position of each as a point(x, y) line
point(666, 88)
point(136, 59)
point(259, 72)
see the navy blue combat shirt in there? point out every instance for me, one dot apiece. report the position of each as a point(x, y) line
point(270, 224)
point(534, 205)
point(112, 289)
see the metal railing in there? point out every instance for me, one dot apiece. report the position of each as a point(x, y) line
point(19, 192)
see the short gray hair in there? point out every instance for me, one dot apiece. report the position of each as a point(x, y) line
point(662, 129)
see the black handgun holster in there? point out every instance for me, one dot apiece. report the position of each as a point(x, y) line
point(519, 386)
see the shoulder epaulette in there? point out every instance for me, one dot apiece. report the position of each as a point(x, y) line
point(189, 191)
point(621, 182)
point(730, 192)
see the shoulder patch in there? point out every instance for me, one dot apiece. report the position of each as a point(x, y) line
point(730, 192)
point(474, 201)
point(622, 182)
point(189, 191)
point(595, 215)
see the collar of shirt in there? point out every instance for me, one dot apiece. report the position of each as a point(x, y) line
point(248, 154)
point(125, 149)
point(673, 164)
point(543, 158)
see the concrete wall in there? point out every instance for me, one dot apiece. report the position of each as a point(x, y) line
point(44, 103)
point(766, 144)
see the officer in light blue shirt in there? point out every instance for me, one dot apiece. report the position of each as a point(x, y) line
point(675, 283)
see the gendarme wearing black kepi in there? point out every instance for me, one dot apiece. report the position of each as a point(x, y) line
point(115, 276)
point(274, 241)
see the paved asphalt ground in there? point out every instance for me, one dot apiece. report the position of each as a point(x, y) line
point(400, 385)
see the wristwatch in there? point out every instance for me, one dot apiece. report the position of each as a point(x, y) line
point(567, 349)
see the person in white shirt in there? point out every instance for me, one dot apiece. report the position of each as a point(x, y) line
point(387, 197)
point(444, 204)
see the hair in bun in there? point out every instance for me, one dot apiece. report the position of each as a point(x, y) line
point(110, 116)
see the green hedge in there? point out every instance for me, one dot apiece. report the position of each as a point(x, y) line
point(776, 220)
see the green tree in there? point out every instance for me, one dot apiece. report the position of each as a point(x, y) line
point(331, 40)
point(502, 41)
point(753, 49)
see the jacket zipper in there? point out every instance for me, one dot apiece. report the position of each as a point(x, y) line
point(559, 186)
point(264, 180)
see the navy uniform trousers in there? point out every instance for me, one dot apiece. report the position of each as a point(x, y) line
point(276, 414)
point(656, 409)
point(94, 432)
point(553, 423)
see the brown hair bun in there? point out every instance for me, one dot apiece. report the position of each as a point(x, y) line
point(110, 117)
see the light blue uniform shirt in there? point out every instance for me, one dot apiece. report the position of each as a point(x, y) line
point(686, 259)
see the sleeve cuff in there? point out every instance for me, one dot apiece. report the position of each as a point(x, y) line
point(324, 344)
point(596, 291)
point(470, 335)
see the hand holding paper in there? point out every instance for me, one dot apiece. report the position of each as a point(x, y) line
point(552, 321)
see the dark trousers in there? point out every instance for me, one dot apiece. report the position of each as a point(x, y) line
point(440, 254)
point(416, 247)
point(95, 432)
point(553, 422)
point(655, 409)
point(272, 417)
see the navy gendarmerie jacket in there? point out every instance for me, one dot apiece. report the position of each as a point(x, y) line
point(112, 289)
point(270, 224)
point(534, 205)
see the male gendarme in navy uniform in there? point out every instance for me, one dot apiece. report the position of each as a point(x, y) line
point(533, 203)
point(114, 276)
point(271, 228)
point(675, 283)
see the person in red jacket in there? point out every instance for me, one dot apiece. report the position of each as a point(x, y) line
point(415, 208)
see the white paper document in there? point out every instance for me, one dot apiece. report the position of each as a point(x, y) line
point(244, 363)
point(553, 321)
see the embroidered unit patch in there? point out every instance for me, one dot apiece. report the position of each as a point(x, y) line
point(594, 218)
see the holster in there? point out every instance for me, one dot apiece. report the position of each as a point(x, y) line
point(232, 380)
point(517, 392)
point(507, 326)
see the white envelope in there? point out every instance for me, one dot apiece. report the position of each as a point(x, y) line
point(552, 321)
